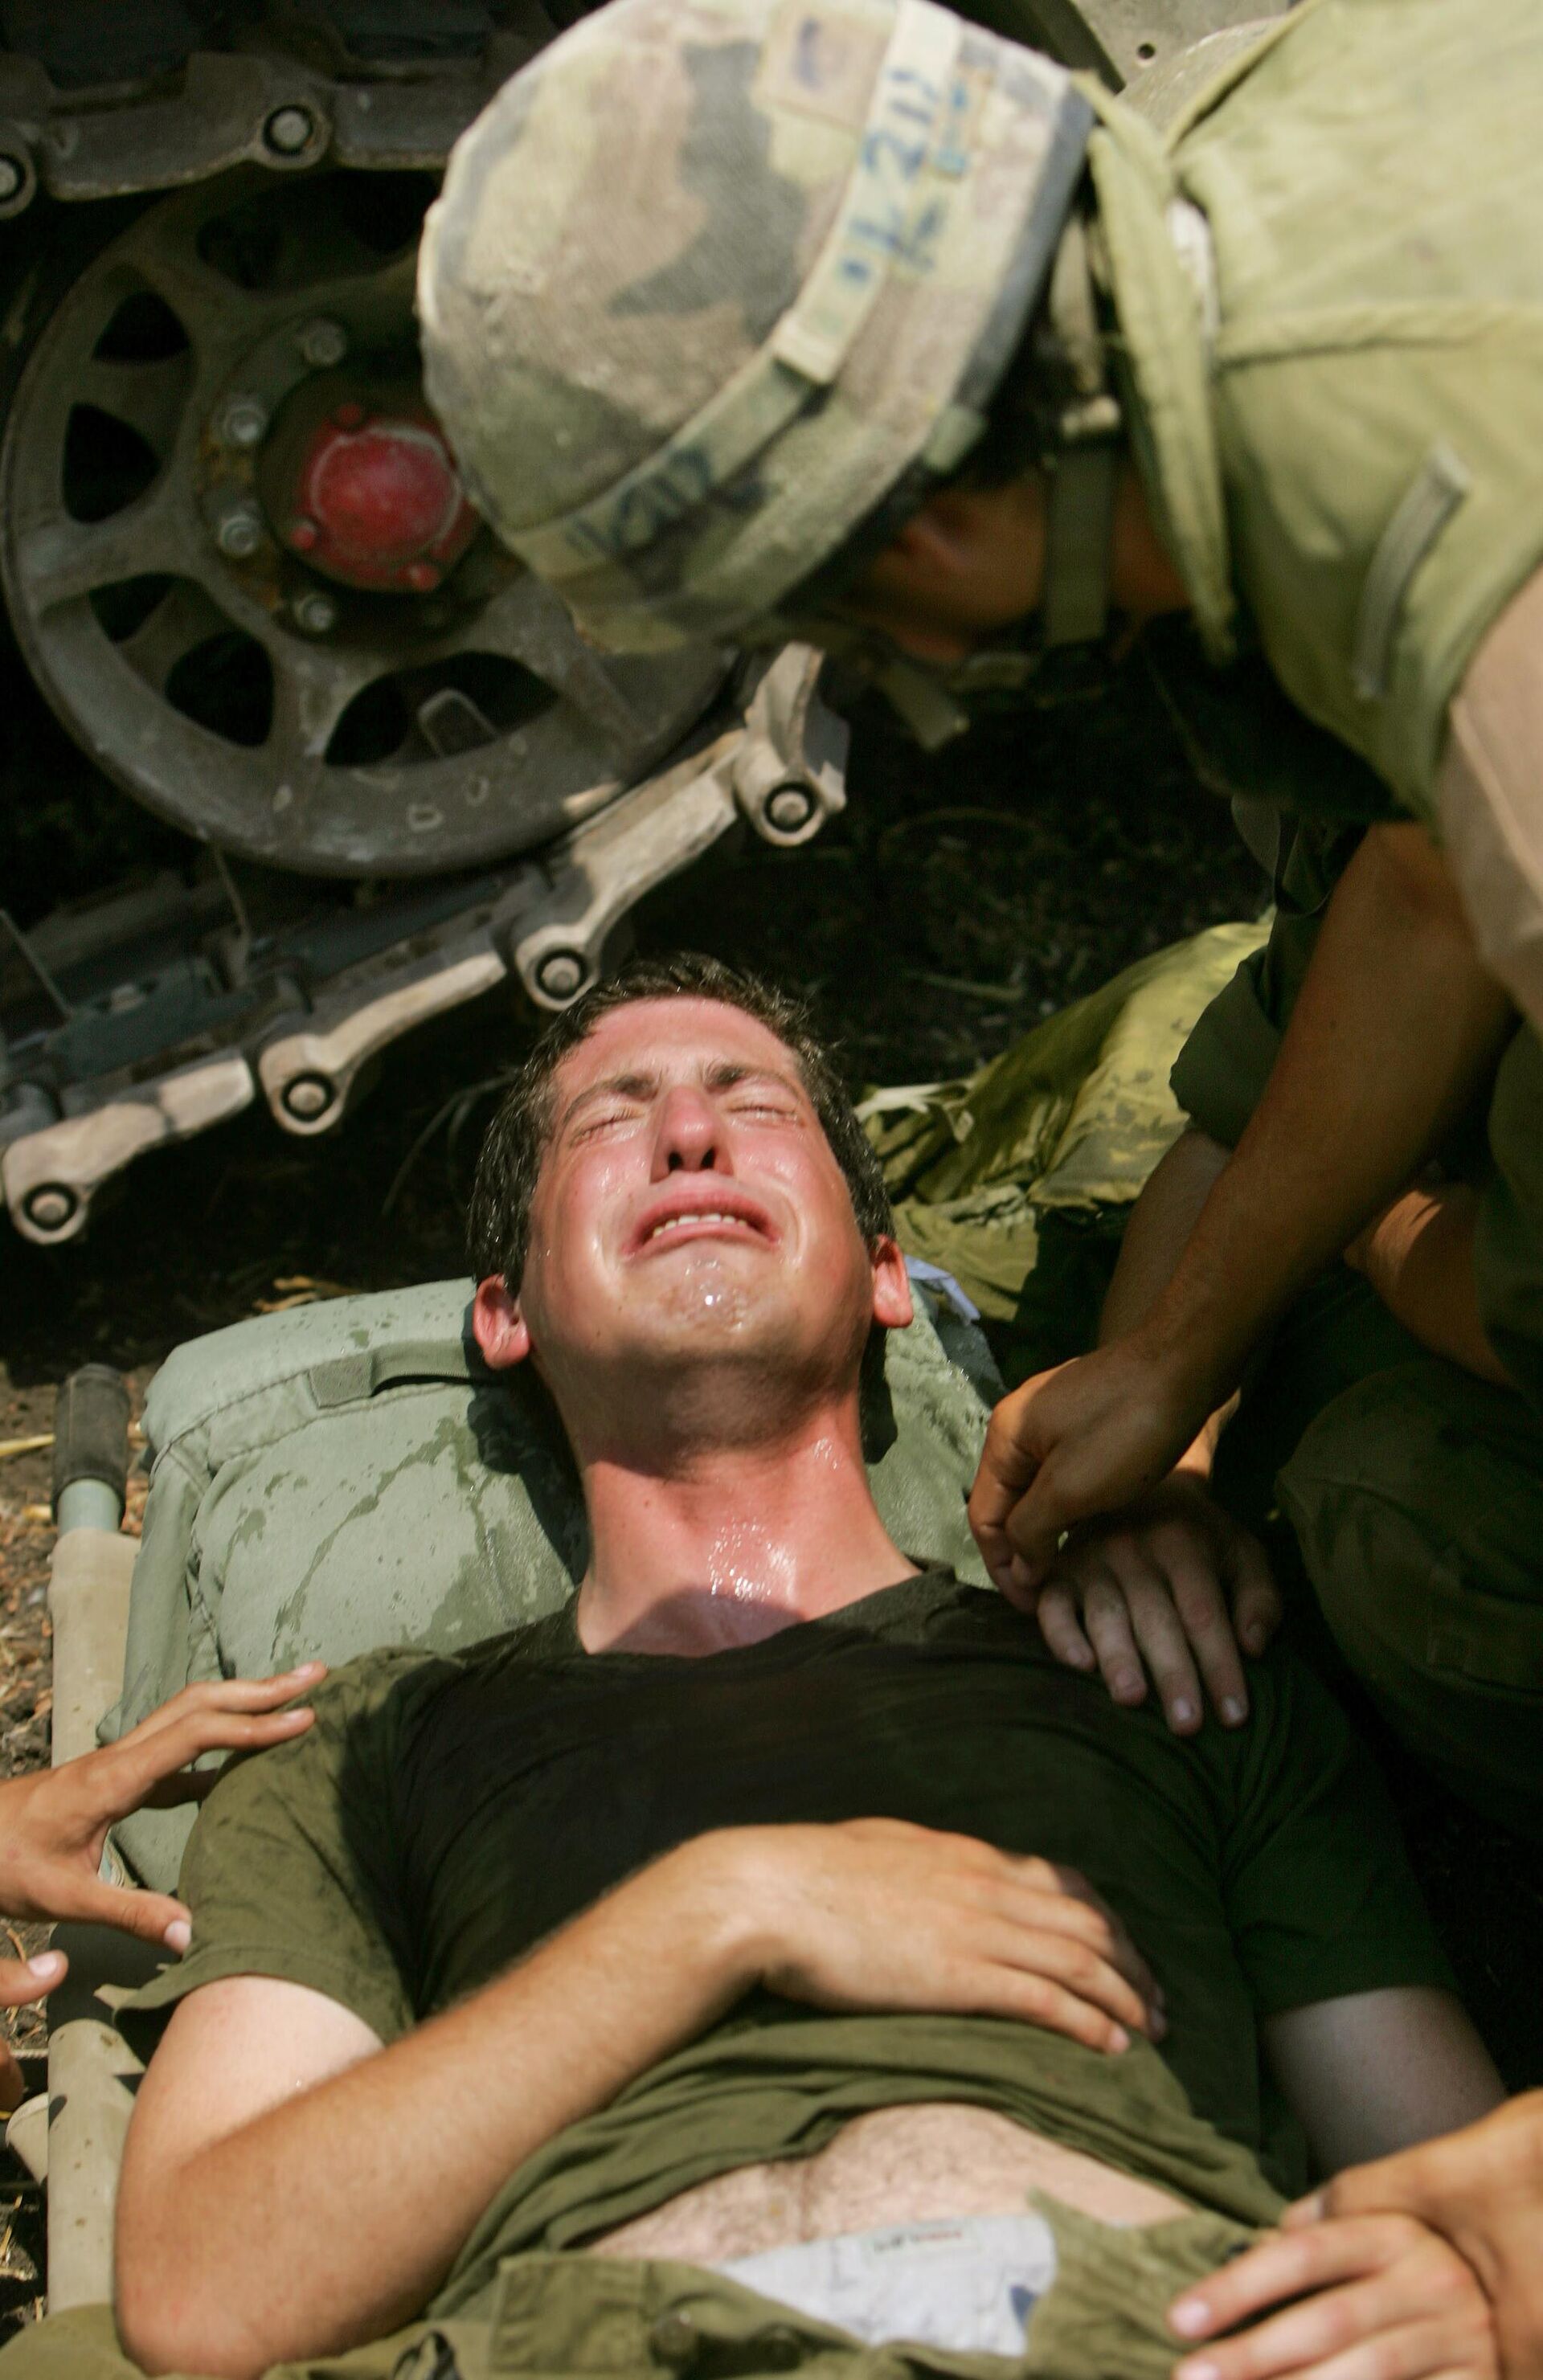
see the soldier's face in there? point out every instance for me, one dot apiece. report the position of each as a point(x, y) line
point(971, 560)
point(691, 1222)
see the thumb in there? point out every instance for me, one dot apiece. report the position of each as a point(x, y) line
point(1038, 1525)
point(1257, 1605)
point(23, 1981)
point(1390, 2185)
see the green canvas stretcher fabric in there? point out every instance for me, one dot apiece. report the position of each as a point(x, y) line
point(1009, 1177)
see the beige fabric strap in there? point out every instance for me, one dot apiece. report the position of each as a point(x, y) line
point(1490, 797)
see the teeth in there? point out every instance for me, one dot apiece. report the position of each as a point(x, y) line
point(675, 1221)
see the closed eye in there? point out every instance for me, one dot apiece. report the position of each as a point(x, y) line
point(607, 1121)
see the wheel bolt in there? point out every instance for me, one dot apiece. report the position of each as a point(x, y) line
point(308, 1097)
point(421, 577)
point(303, 534)
point(288, 130)
point(12, 176)
point(315, 613)
point(245, 422)
point(50, 1207)
point(323, 344)
point(240, 533)
point(349, 416)
point(560, 975)
point(789, 808)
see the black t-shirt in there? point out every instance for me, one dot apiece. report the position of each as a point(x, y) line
point(444, 1815)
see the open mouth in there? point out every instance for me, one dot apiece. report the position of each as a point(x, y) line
point(737, 1217)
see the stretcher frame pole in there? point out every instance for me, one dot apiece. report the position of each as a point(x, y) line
point(90, 2065)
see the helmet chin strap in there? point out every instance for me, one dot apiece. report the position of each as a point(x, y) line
point(1082, 468)
point(1084, 448)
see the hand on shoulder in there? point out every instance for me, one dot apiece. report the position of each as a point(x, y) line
point(1170, 1587)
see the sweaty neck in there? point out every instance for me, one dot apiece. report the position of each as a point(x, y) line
point(721, 1545)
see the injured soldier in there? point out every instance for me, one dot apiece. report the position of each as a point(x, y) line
point(679, 1982)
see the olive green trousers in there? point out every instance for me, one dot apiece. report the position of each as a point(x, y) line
point(603, 2318)
point(1414, 1493)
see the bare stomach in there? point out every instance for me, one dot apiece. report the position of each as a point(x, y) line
point(897, 2164)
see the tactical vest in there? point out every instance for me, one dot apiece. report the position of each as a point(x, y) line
point(1344, 429)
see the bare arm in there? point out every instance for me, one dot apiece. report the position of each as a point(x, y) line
point(1376, 2072)
point(1159, 1230)
point(270, 2212)
point(1397, 1025)
point(1418, 1255)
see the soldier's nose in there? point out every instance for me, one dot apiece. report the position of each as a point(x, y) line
point(688, 1138)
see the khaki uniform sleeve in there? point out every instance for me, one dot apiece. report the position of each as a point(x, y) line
point(1489, 798)
point(291, 1871)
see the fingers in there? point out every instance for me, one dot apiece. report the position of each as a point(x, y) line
point(1034, 1994)
point(1380, 2299)
point(150, 1916)
point(1106, 1617)
point(1056, 1610)
point(1090, 1925)
point(1257, 1605)
point(214, 1718)
point(1281, 2266)
point(235, 1694)
point(1166, 1638)
point(1388, 2351)
point(25, 1980)
point(1201, 1610)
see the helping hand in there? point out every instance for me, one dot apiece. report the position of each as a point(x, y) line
point(1380, 2297)
point(877, 1914)
point(53, 1823)
point(1482, 2190)
point(1085, 1439)
point(1171, 1577)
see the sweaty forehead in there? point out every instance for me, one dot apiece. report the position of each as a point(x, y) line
point(680, 1040)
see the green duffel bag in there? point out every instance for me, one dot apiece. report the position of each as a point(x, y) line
point(350, 1475)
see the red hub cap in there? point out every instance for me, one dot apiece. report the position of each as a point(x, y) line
point(375, 501)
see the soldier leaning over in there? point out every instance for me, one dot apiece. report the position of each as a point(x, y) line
point(849, 319)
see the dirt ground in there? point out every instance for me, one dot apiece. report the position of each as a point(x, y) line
point(960, 899)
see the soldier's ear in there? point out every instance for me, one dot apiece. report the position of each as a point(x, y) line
point(498, 1325)
point(891, 1285)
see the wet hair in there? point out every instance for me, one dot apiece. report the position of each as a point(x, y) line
point(498, 1221)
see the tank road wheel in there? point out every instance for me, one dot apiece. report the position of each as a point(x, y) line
point(241, 566)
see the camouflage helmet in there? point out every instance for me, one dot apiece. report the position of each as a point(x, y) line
point(710, 280)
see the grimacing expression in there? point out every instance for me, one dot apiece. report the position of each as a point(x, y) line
point(689, 1205)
